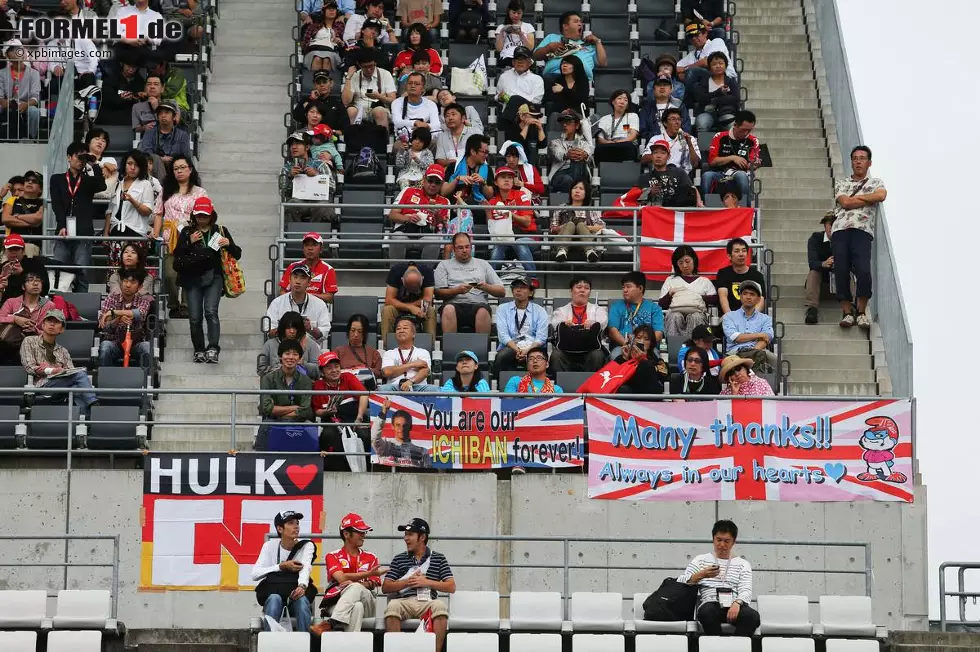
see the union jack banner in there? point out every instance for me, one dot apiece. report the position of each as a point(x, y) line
point(480, 433)
point(751, 449)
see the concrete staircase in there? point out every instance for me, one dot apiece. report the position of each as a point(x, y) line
point(783, 93)
point(240, 161)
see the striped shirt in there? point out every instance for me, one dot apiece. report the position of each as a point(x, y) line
point(734, 574)
point(405, 562)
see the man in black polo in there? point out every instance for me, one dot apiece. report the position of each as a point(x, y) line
point(71, 201)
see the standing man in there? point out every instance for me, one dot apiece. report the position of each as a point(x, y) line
point(854, 228)
point(521, 326)
point(730, 278)
point(20, 94)
point(323, 282)
point(283, 573)
point(724, 585)
point(71, 201)
point(820, 256)
point(353, 574)
point(409, 290)
point(413, 581)
point(747, 331)
point(463, 283)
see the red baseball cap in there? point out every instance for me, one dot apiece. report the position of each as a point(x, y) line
point(660, 142)
point(326, 358)
point(13, 240)
point(435, 170)
point(323, 130)
point(203, 206)
point(313, 235)
point(503, 169)
point(354, 521)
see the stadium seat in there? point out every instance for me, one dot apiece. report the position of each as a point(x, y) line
point(121, 378)
point(784, 615)
point(674, 345)
point(783, 644)
point(453, 343)
point(480, 104)
point(619, 58)
point(70, 641)
point(22, 609)
point(18, 641)
point(659, 626)
point(596, 612)
point(852, 645)
point(461, 55)
point(661, 643)
point(535, 642)
point(422, 341)
point(79, 343)
point(475, 610)
point(339, 339)
point(10, 418)
point(361, 231)
point(504, 377)
point(87, 303)
point(598, 643)
point(535, 611)
point(114, 435)
point(618, 177)
point(284, 642)
point(90, 609)
point(570, 381)
point(724, 644)
point(482, 642)
point(409, 642)
point(348, 641)
point(713, 200)
point(346, 306)
point(53, 435)
point(647, 26)
point(846, 615)
point(366, 196)
point(12, 376)
point(650, 7)
point(612, 29)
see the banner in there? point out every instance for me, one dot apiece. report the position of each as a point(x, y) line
point(205, 517)
point(478, 433)
point(660, 225)
point(751, 449)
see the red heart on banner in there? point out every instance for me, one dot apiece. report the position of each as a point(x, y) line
point(302, 476)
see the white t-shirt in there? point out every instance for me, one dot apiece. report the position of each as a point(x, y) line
point(714, 45)
point(512, 40)
point(143, 20)
point(314, 308)
point(272, 554)
point(613, 129)
point(404, 114)
point(394, 357)
point(352, 29)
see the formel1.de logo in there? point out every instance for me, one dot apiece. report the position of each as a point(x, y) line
point(98, 29)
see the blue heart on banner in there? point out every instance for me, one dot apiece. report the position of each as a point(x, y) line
point(835, 471)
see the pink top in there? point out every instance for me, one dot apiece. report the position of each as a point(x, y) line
point(177, 212)
point(877, 457)
point(754, 386)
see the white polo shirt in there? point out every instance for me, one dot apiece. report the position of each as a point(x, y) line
point(714, 45)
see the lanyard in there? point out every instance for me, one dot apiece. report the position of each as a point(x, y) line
point(291, 386)
point(520, 324)
point(73, 191)
point(579, 318)
point(411, 354)
point(631, 319)
point(615, 125)
point(300, 307)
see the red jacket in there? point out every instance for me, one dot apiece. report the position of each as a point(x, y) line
point(516, 198)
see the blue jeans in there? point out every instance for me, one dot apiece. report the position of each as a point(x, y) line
point(692, 76)
point(298, 609)
point(14, 130)
point(419, 387)
point(704, 121)
point(78, 379)
point(77, 253)
point(202, 304)
point(520, 248)
point(111, 354)
point(742, 180)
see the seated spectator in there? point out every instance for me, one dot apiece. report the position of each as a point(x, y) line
point(323, 148)
point(731, 196)
point(631, 311)
point(313, 118)
point(421, 63)
point(724, 585)
point(300, 163)
point(571, 42)
point(164, 142)
point(323, 39)
point(513, 34)
point(747, 331)
point(472, 118)
point(527, 178)
point(414, 111)
point(130, 213)
point(307, 8)
point(413, 157)
point(132, 259)
point(472, 174)
point(353, 575)
point(618, 133)
point(373, 10)
point(468, 20)
point(336, 409)
point(427, 14)
point(693, 67)
point(669, 185)
point(370, 39)
point(144, 112)
point(715, 98)
point(512, 231)
point(399, 451)
point(734, 155)
point(368, 93)
point(12, 268)
point(820, 257)
point(123, 316)
point(685, 295)
point(730, 278)
point(641, 346)
point(284, 584)
point(451, 141)
point(13, 188)
point(684, 151)
point(530, 130)
point(120, 93)
point(20, 95)
point(284, 405)
point(24, 213)
point(323, 280)
point(463, 283)
point(536, 380)
point(410, 290)
point(315, 311)
point(200, 273)
point(416, 39)
point(24, 313)
point(571, 153)
point(50, 363)
point(518, 86)
point(709, 13)
point(357, 356)
point(739, 380)
point(522, 325)
point(174, 82)
point(570, 88)
point(189, 13)
point(291, 326)
point(654, 106)
point(419, 228)
point(468, 377)
point(410, 574)
point(332, 112)
point(695, 377)
point(702, 338)
point(579, 326)
point(577, 220)
point(181, 190)
point(406, 367)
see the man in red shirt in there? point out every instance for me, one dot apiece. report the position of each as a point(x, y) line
point(323, 283)
point(414, 224)
point(521, 223)
point(353, 575)
point(734, 154)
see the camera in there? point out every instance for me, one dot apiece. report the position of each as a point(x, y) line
point(85, 157)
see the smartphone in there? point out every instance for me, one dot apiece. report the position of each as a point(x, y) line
point(297, 162)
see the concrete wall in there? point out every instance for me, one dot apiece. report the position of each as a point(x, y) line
point(108, 502)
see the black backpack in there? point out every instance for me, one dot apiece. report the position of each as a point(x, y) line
point(365, 167)
point(672, 601)
point(282, 582)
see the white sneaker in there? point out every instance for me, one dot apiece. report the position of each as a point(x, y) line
point(847, 320)
point(863, 321)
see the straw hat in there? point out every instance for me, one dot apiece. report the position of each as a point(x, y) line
point(730, 363)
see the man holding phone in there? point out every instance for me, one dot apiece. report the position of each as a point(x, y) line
point(463, 283)
point(368, 93)
point(724, 583)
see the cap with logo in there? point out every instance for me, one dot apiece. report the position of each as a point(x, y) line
point(660, 142)
point(314, 236)
point(31, 174)
point(415, 525)
point(702, 332)
point(55, 314)
point(693, 29)
point(296, 136)
point(285, 516)
point(522, 52)
point(11, 44)
point(321, 75)
point(465, 353)
point(13, 240)
point(326, 358)
point(663, 79)
point(503, 169)
point(529, 109)
point(202, 206)
point(301, 269)
point(435, 170)
point(569, 115)
point(323, 130)
point(520, 280)
point(354, 522)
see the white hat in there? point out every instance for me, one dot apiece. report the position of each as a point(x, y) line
point(12, 43)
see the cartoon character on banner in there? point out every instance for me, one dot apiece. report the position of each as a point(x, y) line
point(878, 441)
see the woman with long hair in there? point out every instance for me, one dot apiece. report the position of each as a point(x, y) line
point(291, 327)
point(97, 142)
point(132, 258)
point(181, 189)
point(323, 39)
point(696, 378)
point(130, 213)
point(577, 219)
point(571, 89)
point(416, 39)
point(468, 377)
point(685, 296)
point(514, 33)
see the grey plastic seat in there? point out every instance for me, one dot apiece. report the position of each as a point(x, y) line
point(570, 381)
point(618, 176)
point(422, 341)
point(504, 377)
point(453, 343)
point(53, 435)
point(607, 83)
point(79, 344)
point(121, 378)
point(87, 303)
point(461, 55)
point(9, 420)
point(116, 435)
point(13, 377)
point(346, 306)
point(366, 196)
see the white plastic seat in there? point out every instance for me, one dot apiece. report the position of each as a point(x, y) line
point(347, 641)
point(779, 644)
point(22, 608)
point(73, 641)
point(18, 641)
point(724, 644)
point(475, 610)
point(661, 643)
point(535, 642)
point(88, 609)
point(852, 645)
point(284, 642)
point(409, 642)
point(784, 615)
point(472, 642)
point(656, 626)
point(597, 612)
point(535, 611)
point(598, 643)
point(846, 615)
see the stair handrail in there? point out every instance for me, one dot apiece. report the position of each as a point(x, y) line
point(961, 594)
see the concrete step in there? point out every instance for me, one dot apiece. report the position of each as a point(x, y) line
point(776, 18)
point(774, 124)
point(755, 77)
point(770, 203)
point(230, 112)
point(835, 362)
point(259, 149)
point(951, 639)
point(753, 13)
point(832, 388)
point(231, 64)
point(755, 102)
point(257, 79)
point(240, 349)
point(220, 378)
point(244, 370)
point(792, 218)
point(804, 375)
point(244, 445)
point(227, 94)
point(829, 347)
point(262, 190)
point(757, 40)
point(765, 115)
point(799, 64)
point(777, 92)
point(805, 84)
point(774, 133)
point(246, 407)
point(749, 30)
point(232, 329)
point(773, 189)
point(823, 332)
point(798, 172)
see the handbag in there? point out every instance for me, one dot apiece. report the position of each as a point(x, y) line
point(610, 377)
point(282, 583)
point(13, 335)
point(672, 601)
point(234, 276)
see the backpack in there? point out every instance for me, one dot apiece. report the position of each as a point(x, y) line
point(282, 583)
point(672, 601)
point(365, 167)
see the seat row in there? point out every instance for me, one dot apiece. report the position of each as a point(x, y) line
point(74, 609)
point(60, 641)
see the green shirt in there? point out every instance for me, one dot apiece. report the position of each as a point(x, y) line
point(277, 380)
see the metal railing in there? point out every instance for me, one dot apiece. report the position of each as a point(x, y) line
point(961, 594)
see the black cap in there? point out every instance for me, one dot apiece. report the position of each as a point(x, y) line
point(322, 74)
point(520, 280)
point(522, 52)
point(372, 23)
point(415, 525)
point(702, 332)
point(167, 105)
point(283, 517)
